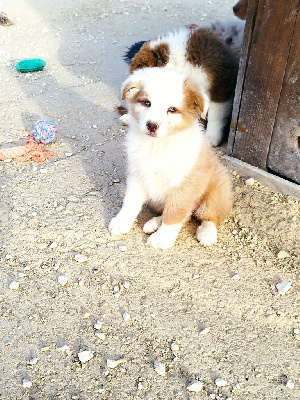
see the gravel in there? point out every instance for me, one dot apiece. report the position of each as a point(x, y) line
point(62, 280)
point(283, 287)
point(220, 382)
point(195, 386)
point(160, 368)
point(26, 383)
point(14, 285)
point(85, 356)
point(80, 258)
point(171, 295)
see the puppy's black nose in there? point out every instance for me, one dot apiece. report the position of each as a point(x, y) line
point(235, 8)
point(152, 126)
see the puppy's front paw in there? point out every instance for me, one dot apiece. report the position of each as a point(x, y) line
point(152, 225)
point(159, 240)
point(119, 226)
point(207, 233)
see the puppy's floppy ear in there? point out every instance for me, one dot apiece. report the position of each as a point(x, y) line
point(129, 88)
point(197, 99)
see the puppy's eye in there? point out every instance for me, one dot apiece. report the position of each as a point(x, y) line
point(146, 103)
point(172, 109)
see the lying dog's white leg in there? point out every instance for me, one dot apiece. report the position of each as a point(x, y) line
point(135, 197)
point(218, 115)
point(152, 225)
point(124, 119)
point(165, 236)
point(207, 233)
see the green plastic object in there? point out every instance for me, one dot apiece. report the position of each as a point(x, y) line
point(33, 64)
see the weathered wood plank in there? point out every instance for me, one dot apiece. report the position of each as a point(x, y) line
point(284, 154)
point(273, 182)
point(269, 50)
point(251, 12)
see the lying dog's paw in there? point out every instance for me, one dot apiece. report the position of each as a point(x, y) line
point(152, 225)
point(119, 226)
point(159, 240)
point(214, 133)
point(207, 233)
point(124, 119)
point(215, 140)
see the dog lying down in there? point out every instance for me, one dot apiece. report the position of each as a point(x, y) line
point(207, 57)
point(231, 33)
point(171, 165)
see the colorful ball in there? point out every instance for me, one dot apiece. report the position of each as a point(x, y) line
point(44, 131)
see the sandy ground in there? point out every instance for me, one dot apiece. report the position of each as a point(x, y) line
point(52, 212)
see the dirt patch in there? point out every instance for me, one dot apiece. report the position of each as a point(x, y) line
point(51, 213)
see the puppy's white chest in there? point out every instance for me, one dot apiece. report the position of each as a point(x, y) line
point(160, 165)
point(161, 174)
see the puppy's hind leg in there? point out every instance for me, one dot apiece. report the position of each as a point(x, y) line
point(207, 233)
point(215, 207)
point(152, 225)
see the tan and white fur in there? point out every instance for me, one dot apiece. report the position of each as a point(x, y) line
point(240, 9)
point(171, 165)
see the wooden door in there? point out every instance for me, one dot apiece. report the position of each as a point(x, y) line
point(265, 126)
point(284, 153)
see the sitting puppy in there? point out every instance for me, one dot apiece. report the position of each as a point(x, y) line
point(171, 166)
point(204, 57)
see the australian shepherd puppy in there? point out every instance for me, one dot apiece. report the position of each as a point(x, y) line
point(171, 165)
point(208, 59)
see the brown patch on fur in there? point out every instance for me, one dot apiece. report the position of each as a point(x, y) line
point(193, 100)
point(192, 106)
point(205, 192)
point(150, 57)
point(138, 97)
point(186, 123)
point(122, 110)
point(205, 49)
point(240, 9)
